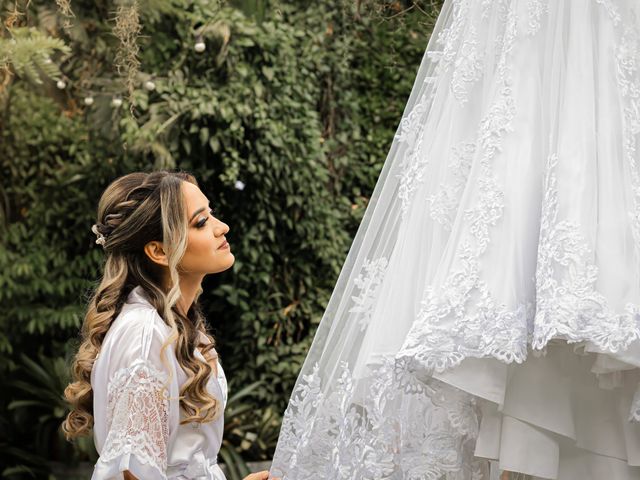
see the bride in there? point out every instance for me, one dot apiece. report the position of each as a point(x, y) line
point(486, 321)
point(147, 378)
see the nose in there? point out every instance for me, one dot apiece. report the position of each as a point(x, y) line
point(220, 229)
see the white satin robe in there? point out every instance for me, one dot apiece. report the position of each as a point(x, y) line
point(136, 420)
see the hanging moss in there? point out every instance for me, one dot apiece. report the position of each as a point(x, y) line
point(127, 28)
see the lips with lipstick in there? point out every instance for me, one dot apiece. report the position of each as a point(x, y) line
point(224, 245)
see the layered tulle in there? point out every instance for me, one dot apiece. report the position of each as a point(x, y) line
point(487, 316)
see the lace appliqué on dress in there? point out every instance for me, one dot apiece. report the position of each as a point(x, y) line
point(369, 283)
point(627, 74)
point(535, 10)
point(461, 318)
point(445, 202)
point(612, 10)
point(467, 68)
point(449, 38)
point(568, 304)
point(413, 126)
point(137, 416)
point(355, 436)
point(412, 131)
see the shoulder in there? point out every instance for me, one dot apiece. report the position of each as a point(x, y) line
point(137, 333)
point(136, 318)
point(139, 322)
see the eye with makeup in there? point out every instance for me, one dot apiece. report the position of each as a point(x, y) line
point(202, 222)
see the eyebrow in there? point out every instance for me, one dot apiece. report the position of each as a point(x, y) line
point(201, 209)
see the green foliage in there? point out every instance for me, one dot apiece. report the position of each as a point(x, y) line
point(28, 51)
point(45, 258)
point(298, 101)
point(242, 437)
point(38, 408)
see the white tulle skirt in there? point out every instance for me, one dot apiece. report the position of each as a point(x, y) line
point(487, 317)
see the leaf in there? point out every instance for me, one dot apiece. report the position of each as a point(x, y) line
point(268, 73)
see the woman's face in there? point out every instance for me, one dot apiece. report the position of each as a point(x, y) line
point(207, 249)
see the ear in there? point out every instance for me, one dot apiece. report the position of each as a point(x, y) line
point(155, 251)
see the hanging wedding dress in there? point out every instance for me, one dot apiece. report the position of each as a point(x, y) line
point(487, 316)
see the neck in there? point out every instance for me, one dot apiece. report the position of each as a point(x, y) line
point(188, 288)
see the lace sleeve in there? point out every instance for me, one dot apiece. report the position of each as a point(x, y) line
point(137, 421)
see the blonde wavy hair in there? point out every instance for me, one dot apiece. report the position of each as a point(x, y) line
point(134, 210)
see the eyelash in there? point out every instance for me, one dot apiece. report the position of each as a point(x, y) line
point(201, 223)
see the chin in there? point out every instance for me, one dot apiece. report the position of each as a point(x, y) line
point(227, 264)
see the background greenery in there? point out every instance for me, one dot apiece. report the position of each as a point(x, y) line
point(297, 100)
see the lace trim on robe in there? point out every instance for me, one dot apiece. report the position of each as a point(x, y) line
point(137, 416)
